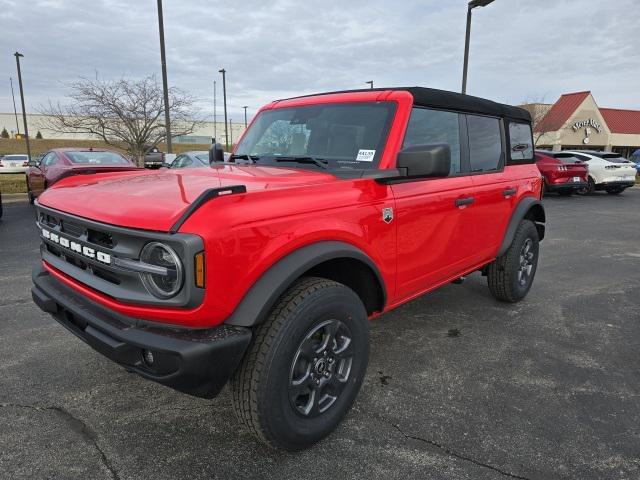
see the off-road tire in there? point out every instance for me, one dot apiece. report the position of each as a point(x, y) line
point(502, 273)
point(260, 386)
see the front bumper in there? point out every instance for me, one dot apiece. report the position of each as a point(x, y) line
point(197, 362)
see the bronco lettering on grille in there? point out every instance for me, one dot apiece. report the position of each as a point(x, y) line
point(77, 247)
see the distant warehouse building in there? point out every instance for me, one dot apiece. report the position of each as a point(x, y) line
point(35, 122)
point(576, 122)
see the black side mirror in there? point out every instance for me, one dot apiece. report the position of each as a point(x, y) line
point(216, 153)
point(432, 160)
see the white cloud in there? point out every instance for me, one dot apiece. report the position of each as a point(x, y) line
point(519, 49)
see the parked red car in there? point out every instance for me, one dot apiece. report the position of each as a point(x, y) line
point(562, 172)
point(63, 162)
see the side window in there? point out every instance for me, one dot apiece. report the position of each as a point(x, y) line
point(49, 159)
point(520, 141)
point(485, 143)
point(435, 126)
point(177, 163)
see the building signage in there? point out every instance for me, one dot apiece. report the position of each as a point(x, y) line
point(587, 123)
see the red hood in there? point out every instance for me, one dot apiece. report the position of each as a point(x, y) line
point(154, 200)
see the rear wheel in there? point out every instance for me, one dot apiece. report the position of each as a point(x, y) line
point(589, 189)
point(511, 275)
point(304, 366)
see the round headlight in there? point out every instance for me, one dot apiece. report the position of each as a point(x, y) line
point(165, 285)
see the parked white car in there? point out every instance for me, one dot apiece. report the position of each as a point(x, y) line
point(14, 164)
point(607, 171)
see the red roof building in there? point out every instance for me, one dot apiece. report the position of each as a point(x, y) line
point(575, 121)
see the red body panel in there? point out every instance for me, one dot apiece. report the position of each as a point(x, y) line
point(430, 241)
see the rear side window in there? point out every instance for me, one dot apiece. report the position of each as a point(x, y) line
point(485, 143)
point(427, 127)
point(520, 141)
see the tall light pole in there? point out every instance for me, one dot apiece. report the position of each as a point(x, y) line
point(15, 112)
point(165, 88)
point(231, 131)
point(215, 115)
point(472, 4)
point(370, 82)
point(245, 116)
point(24, 113)
point(224, 96)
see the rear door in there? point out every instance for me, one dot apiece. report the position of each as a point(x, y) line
point(433, 237)
point(494, 187)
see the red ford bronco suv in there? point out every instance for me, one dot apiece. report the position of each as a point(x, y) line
point(264, 270)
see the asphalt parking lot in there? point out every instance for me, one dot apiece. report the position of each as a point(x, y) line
point(459, 385)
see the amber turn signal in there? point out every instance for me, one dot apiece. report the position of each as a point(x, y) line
point(199, 269)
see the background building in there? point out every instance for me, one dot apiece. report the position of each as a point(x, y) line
point(202, 135)
point(576, 122)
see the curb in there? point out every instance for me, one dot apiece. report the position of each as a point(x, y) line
point(14, 197)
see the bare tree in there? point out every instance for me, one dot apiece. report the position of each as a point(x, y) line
point(538, 109)
point(123, 113)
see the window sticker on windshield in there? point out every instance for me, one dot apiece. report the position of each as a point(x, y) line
point(365, 155)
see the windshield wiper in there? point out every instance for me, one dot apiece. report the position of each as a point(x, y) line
point(320, 162)
point(251, 158)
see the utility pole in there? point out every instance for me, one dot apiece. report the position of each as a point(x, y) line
point(224, 96)
point(231, 131)
point(245, 116)
point(15, 112)
point(370, 82)
point(215, 116)
point(24, 113)
point(165, 88)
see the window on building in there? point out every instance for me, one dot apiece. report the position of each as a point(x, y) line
point(427, 127)
point(520, 141)
point(485, 143)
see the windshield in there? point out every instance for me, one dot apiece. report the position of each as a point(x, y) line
point(337, 136)
point(203, 157)
point(97, 158)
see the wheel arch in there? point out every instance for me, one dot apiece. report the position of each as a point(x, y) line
point(332, 260)
point(529, 208)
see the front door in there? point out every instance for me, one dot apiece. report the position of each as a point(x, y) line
point(434, 243)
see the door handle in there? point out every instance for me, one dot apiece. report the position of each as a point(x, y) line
point(509, 191)
point(461, 202)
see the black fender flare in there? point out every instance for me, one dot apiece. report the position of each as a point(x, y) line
point(264, 293)
point(531, 208)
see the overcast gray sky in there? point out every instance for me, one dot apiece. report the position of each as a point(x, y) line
point(519, 48)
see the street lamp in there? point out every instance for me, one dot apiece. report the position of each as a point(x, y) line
point(370, 82)
point(165, 88)
point(245, 116)
point(472, 4)
point(24, 113)
point(224, 96)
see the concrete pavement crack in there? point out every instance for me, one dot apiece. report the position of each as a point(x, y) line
point(451, 453)
point(78, 425)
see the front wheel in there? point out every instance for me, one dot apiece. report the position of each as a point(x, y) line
point(305, 365)
point(510, 276)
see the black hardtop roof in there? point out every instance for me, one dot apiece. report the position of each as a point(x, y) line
point(446, 100)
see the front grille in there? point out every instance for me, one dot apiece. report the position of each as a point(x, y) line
point(73, 229)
